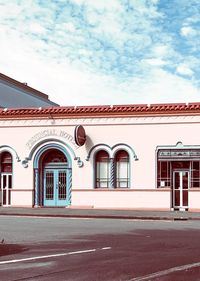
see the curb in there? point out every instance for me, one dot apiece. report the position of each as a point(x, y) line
point(103, 217)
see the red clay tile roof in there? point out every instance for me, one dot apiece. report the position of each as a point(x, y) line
point(103, 110)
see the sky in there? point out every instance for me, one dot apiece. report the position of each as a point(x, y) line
point(90, 52)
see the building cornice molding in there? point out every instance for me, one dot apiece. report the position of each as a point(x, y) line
point(103, 111)
point(99, 121)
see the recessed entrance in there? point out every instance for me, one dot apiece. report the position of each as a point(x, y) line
point(55, 187)
point(54, 175)
point(179, 170)
point(180, 189)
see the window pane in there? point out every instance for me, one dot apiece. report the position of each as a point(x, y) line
point(123, 184)
point(62, 187)
point(177, 181)
point(102, 169)
point(185, 180)
point(103, 183)
point(164, 174)
point(164, 169)
point(122, 169)
point(102, 156)
point(195, 174)
point(4, 181)
point(185, 198)
point(9, 181)
point(49, 186)
point(177, 198)
point(6, 162)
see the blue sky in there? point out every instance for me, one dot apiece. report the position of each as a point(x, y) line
point(88, 52)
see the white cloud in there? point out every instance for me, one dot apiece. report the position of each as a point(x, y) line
point(99, 52)
point(156, 62)
point(184, 70)
point(99, 4)
point(161, 50)
point(163, 87)
point(69, 27)
point(188, 31)
point(37, 28)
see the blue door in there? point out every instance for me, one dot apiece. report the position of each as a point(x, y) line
point(55, 187)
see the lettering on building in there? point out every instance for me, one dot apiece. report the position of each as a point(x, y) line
point(50, 133)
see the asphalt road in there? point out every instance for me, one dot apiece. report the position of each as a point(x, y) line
point(59, 249)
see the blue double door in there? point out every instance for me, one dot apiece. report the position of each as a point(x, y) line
point(56, 187)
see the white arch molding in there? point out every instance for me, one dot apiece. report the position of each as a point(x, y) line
point(38, 181)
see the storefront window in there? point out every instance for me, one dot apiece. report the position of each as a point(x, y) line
point(195, 174)
point(164, 174)
point(170, 161)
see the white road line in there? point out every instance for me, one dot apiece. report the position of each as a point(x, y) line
point(53, 256)
point(106, 248)
point(166, 272)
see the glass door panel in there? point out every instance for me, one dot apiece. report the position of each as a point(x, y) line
point(177, 198)
point(62, 190)
point(61, 194)
point(6, 185)
point(55, 187)
point(4, 189)
point(49, 188)
point(180, 189)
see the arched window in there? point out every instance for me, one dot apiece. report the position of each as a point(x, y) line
point(6, 177)
point(122, 169)
point(6, 162)
point(102, 162)
point(54, 156)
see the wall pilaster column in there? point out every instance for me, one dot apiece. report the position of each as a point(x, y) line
point(36, 174)
point(112, 173)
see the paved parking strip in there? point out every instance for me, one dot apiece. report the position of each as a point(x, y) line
point(41, 249)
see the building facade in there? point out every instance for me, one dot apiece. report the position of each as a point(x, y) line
point(134, 157)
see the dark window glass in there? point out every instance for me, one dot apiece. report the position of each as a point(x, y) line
point(54, 156)
point(195, 174)
point(164, 174)
point(6, 162)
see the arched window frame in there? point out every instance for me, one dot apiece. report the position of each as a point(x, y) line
point(6, 176)
point(102, 169)
point(122, 169)
point(112, 150)
point(6, 166)
point(36, 155)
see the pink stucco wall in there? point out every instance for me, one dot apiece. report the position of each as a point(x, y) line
point(143, 134)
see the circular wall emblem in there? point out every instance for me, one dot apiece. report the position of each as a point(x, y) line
point(79, 135)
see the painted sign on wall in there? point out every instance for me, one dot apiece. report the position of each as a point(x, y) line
point(51, 133)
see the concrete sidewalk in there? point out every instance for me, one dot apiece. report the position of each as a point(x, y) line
point(100, 213)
